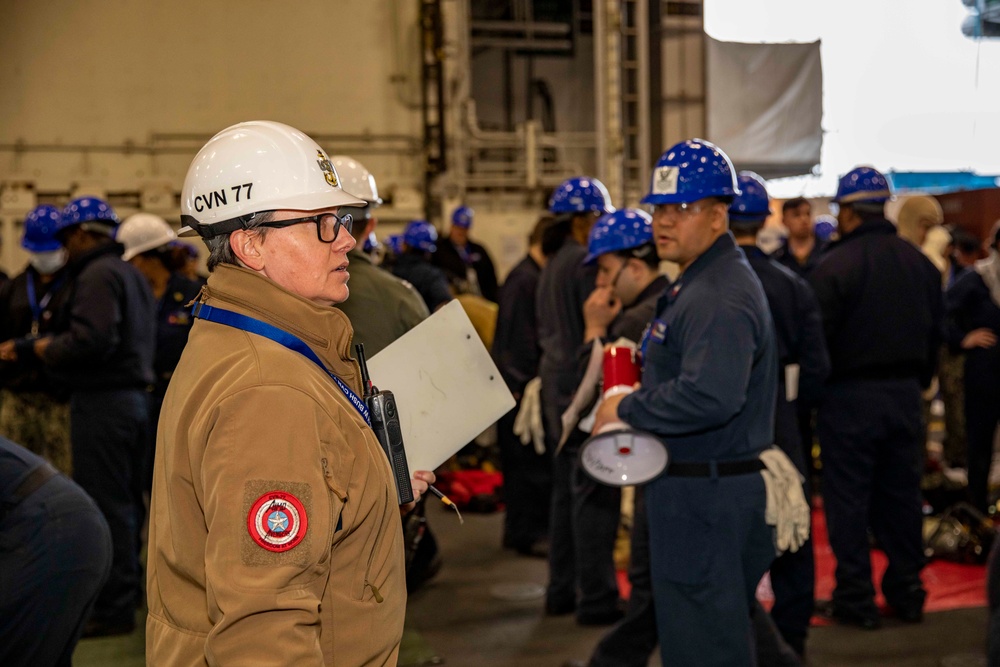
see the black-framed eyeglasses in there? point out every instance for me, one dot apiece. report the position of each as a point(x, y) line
point(327, 225)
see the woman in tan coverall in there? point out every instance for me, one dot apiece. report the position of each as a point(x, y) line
point(274, 534)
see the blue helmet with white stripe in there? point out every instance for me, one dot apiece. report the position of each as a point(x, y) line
point(689, 171)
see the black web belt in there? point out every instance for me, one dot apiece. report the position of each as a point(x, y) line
point(722, 468)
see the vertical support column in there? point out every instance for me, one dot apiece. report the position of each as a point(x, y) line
point(608, 90)
point(683, 49)
point(634, 105)
point(432, 97)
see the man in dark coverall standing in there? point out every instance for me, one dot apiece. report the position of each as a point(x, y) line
point(882, 312)
point(804, 367)
point(465, 263)
point(577, 583)
point(708, 390)
point(414, 264)
point(527, 470)
point(106, 358)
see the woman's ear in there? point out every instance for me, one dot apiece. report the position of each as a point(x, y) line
point(246, 247)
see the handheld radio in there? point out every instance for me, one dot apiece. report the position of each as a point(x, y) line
point(385, 423)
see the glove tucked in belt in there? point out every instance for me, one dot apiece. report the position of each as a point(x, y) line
point(528, 423)
point(787, 509)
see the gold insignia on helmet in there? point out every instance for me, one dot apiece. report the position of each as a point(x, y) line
point(328, 172)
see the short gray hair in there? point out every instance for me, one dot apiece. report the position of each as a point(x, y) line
point(219, 251)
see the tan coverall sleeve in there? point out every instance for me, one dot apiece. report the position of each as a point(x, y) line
point(265, 605)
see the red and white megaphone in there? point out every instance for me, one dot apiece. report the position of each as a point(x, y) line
point(619, 455)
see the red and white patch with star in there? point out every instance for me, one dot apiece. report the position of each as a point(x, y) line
point(277, 521)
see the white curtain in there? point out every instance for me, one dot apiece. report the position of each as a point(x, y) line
point(765, 105)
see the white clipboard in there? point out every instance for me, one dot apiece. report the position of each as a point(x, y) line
point(447, 388)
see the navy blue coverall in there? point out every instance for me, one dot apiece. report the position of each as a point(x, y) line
point(882, 317)
point(633, 639)
point(787, 258)
point(970, 307)
point(798, 328)
point(708, 390)
point(55, 553)
point(584, 518)
point(455, 262)
point(106, 358)
point(527, 475)
point(427, 279)
point(27, 373)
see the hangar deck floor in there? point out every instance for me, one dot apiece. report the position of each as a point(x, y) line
point(469, 616)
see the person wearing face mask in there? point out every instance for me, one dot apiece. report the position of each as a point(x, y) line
point(103, 353)
point(34, 407)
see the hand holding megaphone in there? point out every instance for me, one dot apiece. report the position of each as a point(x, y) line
point(621, 378)
point(616, 454)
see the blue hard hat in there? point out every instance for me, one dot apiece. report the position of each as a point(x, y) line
point(420, 234)
point(462, 217)
point(371, 242)
point(581, 194)
point(88, 209)
point(40, 227)
point(862, 184)
point(826, 227)
point(625, 228)
point(752, 203)
point(689, 171)
point(395, 243)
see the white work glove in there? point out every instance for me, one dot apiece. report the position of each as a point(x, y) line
point(528, 423)
point(787, 508)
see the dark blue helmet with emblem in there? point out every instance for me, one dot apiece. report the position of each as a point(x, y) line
point(421, 235)
point(581, 195)
point(462, 217)
point(863, 184)
point(624, 229)
point(394, 242)
point(370, 244)
point(40, 227)
point(825, 228)
point(752, 203)
point(91, 214)
point(691, 170)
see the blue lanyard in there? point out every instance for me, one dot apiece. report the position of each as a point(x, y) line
point(291, 341)
point(37, 307)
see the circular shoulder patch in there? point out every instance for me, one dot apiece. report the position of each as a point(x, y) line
point(277, 521)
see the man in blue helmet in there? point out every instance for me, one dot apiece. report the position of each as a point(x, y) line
point(804, 367)
point(527, 470)
point(414, 264)
point(105, 357)
point(466, 264)
point(34, 407)
point(882, 312)
point(621, 306)
point(708, 390)
point(578, 583)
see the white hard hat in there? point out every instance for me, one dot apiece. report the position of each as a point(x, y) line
point(142, 232)
point(254, 167)
point(356, 179)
